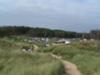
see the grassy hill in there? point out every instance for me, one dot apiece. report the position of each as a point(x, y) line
point(84, 54)
point(15, 62)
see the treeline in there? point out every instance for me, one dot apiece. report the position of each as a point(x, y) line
point(36, 32)
point(45, 32)
point(95, 34)
point(13, 30)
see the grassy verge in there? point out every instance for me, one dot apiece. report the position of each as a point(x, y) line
point(14, 62)
point(85, 56)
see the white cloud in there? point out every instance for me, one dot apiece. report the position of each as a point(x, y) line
point(80, 7)
point(60, 12)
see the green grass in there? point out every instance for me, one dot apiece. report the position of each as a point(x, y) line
point(15, 62)
point(84, 55)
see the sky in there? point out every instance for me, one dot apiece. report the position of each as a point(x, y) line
point(69, 15)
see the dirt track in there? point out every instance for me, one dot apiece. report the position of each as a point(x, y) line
point(70, 68)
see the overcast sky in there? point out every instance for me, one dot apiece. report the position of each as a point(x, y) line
point(73, 15)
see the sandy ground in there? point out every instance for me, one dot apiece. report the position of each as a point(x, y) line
point(70, 68)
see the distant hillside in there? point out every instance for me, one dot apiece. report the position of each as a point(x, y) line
point(36, 32)
point(45, 32)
